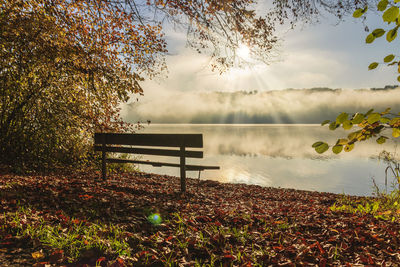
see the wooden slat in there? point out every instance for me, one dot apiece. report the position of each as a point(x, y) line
point(201, 168)
point(150, 151)
point(155, 164)
point(159, 164)
point(169, 140)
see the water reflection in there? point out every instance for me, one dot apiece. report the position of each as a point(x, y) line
point(281, 156)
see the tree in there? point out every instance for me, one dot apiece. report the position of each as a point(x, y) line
point(371, 124)
point(65, 67)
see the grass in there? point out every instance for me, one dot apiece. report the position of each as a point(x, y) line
point(73, 236)
point(384, 205)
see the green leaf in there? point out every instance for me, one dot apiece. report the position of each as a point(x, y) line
point(391, 35)
point(373, 65)
point(385, 120)
point(342, 117)
point(374, 117)
point(358, 13)
point(317, 144)
point(354, 135)
point(347, 125)
point(322, 148)
point(370, 38)
point(382, 5)
point(398, 78)
point(390, 14)
point(386, 111)
point(369, 112)
point(348, 148)
point(388, 58)
point(325, 122)
point(396, 132)
point(333, 125)
point(378, 32)
point(358, 118)
point(337, 149)
point(381, 140)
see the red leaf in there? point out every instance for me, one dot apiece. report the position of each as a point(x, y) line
point(102, 261)
point(278, 248)
point(363, 259)
point(144, 252)
point(370, 260)
point(322, 263)
point(229, 256)
point(321, 250)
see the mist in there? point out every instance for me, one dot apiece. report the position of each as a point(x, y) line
point(306, 106)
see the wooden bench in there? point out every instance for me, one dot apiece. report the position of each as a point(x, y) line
point(123, 143)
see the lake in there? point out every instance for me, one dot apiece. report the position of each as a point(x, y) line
point(280, 156)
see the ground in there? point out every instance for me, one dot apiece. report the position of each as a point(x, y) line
point(137, 219)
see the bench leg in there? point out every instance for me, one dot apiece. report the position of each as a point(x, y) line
point(183, 180)
point(103, 162)
point(183, 169)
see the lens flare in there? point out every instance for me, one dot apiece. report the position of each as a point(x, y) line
point(154, 219)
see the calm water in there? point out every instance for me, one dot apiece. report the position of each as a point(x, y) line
point(280, 156)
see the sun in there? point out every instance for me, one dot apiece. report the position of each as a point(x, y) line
point(243, 51)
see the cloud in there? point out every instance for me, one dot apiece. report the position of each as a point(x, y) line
point(189, 71)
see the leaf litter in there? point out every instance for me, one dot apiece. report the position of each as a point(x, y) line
point(138, 219)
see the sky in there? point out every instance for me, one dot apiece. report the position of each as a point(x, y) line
point(325, 54)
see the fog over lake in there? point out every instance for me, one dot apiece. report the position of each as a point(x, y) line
point(280, 156)
point(279, 106)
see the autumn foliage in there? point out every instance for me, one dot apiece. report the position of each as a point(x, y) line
point(65, 67)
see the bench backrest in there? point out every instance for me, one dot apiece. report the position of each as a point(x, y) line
point(105, 142)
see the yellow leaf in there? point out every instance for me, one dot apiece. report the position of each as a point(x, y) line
point(342, 141)
point(37, 255)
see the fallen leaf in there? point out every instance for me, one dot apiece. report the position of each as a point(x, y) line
point(37, 255)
